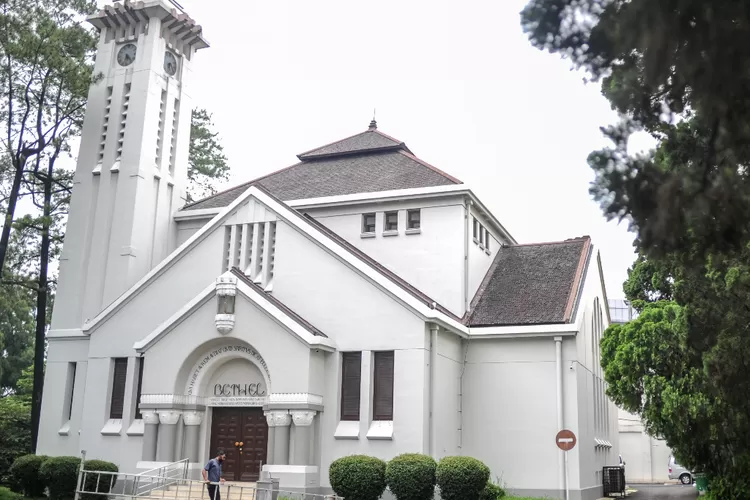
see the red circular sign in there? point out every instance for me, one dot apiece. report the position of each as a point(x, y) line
point(565, 440)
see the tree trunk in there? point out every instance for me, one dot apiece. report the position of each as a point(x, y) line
point(41, 310)
point(8, 223)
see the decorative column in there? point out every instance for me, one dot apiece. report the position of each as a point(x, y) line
point(302, 436)
point(150, 435)
point(281, 422)
point(167, 435)
point(192, 421)
point(271, 437)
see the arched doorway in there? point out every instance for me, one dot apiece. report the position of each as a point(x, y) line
point(233, 381)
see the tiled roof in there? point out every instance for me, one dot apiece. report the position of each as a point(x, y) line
point(531, 284)
point(364, 163)
point(296, 317)
point(369, 140)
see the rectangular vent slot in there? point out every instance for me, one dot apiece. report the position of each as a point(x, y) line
point(160, 137)
point(173, 147)
point(123, 120)
point(105, 124)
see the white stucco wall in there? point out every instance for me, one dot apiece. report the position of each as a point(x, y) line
point(510, 409)
point(479, 260)
point(646, 458)
point(432, 260)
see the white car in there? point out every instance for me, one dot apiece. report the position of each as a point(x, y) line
point(677, 471)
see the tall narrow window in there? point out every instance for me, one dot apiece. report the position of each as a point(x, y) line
point(391, 221)
point(71, 388)
point(351, 375)
point(368, 223)
point(382, 398)
point(413, 219)
point(476, 229)
point(118, 388)
point(138, 415)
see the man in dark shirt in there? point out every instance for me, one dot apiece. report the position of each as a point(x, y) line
point(212, 474)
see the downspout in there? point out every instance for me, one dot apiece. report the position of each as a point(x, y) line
point(433, 370)
point(467, 212)
point(560, 412)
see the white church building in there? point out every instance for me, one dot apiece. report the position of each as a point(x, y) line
point(358, 301)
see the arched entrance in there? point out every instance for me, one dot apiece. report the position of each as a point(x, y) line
point(233, 381)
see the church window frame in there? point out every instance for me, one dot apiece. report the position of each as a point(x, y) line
point(368, 223)
point(383, 385)
point(119, 380)
point(351, 385)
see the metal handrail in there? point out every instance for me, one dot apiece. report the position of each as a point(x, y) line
point(184, 463)
point(122, 485)
point(163, 476)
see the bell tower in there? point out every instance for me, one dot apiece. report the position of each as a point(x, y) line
point(132, 165)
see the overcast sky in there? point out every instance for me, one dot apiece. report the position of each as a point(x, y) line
point(458, 82)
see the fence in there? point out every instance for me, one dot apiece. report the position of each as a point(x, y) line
point(170, 482)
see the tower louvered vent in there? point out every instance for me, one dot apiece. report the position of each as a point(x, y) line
point(123, 120)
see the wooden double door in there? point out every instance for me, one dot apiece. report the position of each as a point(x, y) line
point(243, 433)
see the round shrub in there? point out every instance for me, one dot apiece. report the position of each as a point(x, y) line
point(358, 477)
point(492, 492)
point(106, 481)
point(6, 494)
point(411, 476)
point(461, 478)
point(60, 475)
point(24, 475)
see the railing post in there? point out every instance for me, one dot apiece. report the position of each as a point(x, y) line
point(80, 475)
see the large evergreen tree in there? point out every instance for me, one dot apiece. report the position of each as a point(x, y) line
point(676, 70)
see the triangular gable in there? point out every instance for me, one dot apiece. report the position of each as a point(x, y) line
point(377, 276)
point(290, 321)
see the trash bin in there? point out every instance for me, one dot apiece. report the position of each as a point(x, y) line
point(701, 482)
point(614, 480)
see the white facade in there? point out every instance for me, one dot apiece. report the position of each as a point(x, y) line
point(246, 307)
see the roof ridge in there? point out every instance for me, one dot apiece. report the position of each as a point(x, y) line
point(559, 242)
point(448, 176)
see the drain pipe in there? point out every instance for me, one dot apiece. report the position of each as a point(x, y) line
point(433, 370)
point(560, 412)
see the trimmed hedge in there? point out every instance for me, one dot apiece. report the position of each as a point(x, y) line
point(461, 478)
point(106, 481)
point(24, 475)
point(491, 492)
point(358, 477)
point(60, 475)
point(411, 476)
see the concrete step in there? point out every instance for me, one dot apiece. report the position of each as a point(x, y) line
point(229, 491)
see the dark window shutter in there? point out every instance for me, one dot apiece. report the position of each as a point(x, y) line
point(351, 374)
point(138, 415)
point(118, 388)
point(73, 368)
point(382, 400)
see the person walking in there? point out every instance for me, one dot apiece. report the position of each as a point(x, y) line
point(212, 474)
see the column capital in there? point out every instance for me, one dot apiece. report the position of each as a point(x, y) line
point(169, 417)
point(278, 418)
point(303, 418)
point(150, 417)
point(192, 417)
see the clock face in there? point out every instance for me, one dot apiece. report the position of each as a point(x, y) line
point(126, 55)
point(170, 63)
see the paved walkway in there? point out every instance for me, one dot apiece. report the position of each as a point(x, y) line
point(662, 492)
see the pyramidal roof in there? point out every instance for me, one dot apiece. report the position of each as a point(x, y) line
point(368, 162)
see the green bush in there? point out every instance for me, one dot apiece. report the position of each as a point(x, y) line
point(411, 476)
point(6, 494)
point(358, 477)
point(24, 475)
point(106, 481)
point(461, 478)
point(60, 475)
point(491, 492)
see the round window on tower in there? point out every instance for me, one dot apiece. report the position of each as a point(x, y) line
point(126, 54)
point(170, 63)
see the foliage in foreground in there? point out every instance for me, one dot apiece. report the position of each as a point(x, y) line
point(358, 477)
point(411, 476)
point(461, 478)
point(683, 364)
